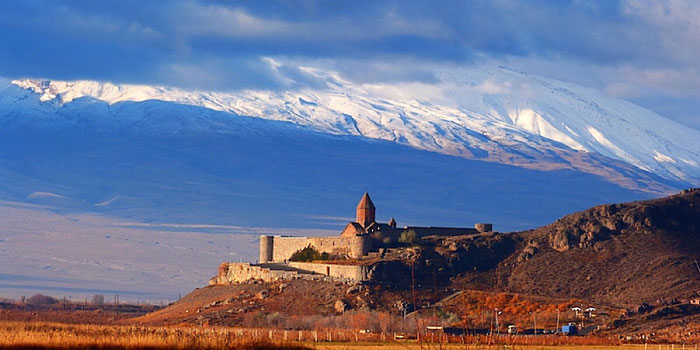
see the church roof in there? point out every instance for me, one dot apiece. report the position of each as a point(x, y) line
point(365, 202)
point(352, 229)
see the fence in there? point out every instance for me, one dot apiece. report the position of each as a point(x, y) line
point(345, 335)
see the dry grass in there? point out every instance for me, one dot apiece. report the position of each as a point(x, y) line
point(425, 346)
point(37, 335)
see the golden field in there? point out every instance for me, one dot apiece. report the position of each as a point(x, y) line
point(49, 336)
point(39, 335)
point(415, 346)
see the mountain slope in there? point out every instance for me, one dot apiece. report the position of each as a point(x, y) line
point(296, 161)
point(197, 173)
point(162, 161)
point(624, 253)
point(487, 113)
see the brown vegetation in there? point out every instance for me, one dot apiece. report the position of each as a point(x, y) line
point(33, 335)
point(64, 311)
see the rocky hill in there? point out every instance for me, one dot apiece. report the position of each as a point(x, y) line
point(635, 260)
point(623, 253)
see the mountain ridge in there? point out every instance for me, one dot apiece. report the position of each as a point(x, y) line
point(488, 113)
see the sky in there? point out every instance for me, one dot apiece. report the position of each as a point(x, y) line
point(641, 51)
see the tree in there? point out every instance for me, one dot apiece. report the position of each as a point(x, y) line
point(408, 236)
point(40, 299)
point(308, 254)
point(98, 299)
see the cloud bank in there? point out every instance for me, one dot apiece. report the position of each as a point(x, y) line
point(644, 51)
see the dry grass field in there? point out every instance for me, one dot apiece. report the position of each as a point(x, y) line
point(57, 336)
point(425, 346)
point(39, 335)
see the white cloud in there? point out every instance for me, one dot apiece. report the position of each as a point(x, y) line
point(202, 20)
point(674, 23)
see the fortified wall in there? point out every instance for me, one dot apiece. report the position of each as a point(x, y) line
point(280, 248)
point(356, 242)
point(242, 272)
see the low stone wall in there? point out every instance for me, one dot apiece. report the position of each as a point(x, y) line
point(242, 272)
point(350, 272)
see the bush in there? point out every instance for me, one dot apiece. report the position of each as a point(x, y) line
point(40, 299)
point(378, 235)
point(98, 299)
point(409, 237)
point(308, 254)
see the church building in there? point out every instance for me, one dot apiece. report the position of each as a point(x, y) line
point(358, 238)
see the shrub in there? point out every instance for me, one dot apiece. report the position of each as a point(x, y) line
point(409, 237)
point(308, 254)
point(40, 299)
point(378, 235)
point(98, 299)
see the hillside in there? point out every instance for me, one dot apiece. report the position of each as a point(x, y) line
point(623, 253)
point(634, 253)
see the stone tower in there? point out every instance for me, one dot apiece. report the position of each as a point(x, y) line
point(365, 211)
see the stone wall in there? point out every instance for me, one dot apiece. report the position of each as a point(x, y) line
point(284, 247)
point(280, 249)
point(483, 227)
point(266, 248)
point(349, 272)
point(353, 247)
point(441, 231)
point(242, 272)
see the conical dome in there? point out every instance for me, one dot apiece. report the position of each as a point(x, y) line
point(365, 202)
point(365, 211)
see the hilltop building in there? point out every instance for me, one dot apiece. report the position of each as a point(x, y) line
point(358, 238)
point(359, 244)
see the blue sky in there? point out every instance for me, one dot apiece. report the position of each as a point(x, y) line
point(642, 51)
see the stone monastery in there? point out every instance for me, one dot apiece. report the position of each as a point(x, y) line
point(357, 239)
point(361, 240)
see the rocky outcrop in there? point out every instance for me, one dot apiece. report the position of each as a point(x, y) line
point(341, 306)
point(583, 229)
point(620, 253)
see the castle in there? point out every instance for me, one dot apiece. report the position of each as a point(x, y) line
point(357, 239)
point(362, 239)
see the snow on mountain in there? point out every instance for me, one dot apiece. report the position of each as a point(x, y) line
point(145, 198)
point(487, 113)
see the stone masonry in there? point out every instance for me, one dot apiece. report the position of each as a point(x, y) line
point(356, 241)
point(242, 272)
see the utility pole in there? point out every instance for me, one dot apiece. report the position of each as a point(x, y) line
point(413, 285)
point(415, 307)
point(557, 320)
point(498, 329)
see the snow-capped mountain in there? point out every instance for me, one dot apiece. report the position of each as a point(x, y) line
point(487, 113)
point(152, 186)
